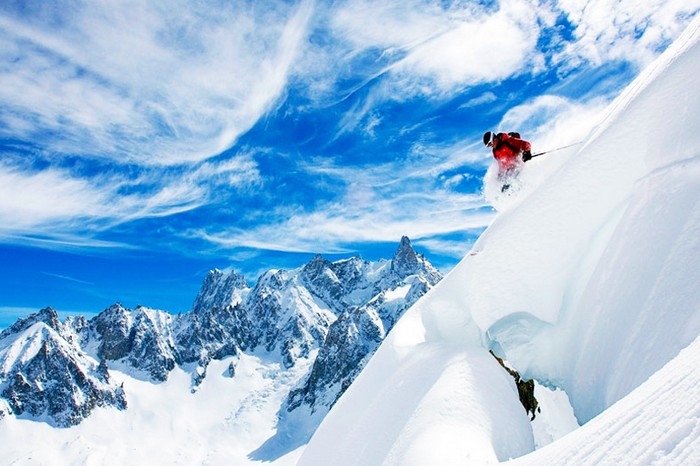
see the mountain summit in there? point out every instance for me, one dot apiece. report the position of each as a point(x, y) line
point(220, 290)
point(44, 374)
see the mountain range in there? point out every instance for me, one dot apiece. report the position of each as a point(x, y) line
point(330, 315)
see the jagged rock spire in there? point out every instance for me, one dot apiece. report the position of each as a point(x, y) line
point(220, 290)
point(405, 261)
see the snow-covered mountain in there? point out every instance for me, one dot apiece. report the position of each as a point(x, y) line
point(220, 290)
point(260, 342)
point(44, 375)
point(586, 282)
point(374, 296)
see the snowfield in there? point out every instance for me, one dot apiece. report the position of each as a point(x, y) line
point(586, 282)
point(165, 423)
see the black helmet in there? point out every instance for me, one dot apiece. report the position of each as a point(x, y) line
point(488, 137)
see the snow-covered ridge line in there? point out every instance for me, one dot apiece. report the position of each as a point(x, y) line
point(286, 316)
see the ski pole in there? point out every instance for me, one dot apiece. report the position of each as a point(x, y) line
point(554, 150)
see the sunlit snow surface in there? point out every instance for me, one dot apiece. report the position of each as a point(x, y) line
point(587, 280)
point(221, 423)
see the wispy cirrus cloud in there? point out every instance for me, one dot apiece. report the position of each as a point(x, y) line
point(551, 121)
point(418, 197)
point(433, 49)
point(148, 83)
point(372, 204)
point(156, 91)
point(57, 208)
point(359, 218)
point(65, 277)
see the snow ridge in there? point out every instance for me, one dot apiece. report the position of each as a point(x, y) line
point(587, 282)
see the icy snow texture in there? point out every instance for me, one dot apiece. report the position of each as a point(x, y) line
point(587, 281)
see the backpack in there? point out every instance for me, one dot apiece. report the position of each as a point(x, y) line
point(512, 134)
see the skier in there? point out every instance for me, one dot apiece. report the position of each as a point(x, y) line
point(508, 150)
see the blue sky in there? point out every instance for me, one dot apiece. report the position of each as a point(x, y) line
point(142, 145)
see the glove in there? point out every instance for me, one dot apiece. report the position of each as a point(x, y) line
point(527, 155)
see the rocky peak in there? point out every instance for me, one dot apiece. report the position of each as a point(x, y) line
point(289, 313)
point(47, 315)
point(320, 279)
point(319, 270)
point(317, 264)
point(150, 346)
point(112, 326)
point(353, 338)
point(220, 290)
point(405, 261)
point(45, 375)
point(349, 270)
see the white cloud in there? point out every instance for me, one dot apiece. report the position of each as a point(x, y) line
point(151, 83)
point(381, 203)
point(389, 24)
point(487, 48)
point(485, 98)
point(328, 228)
point(67, 278)
point(55, 208)
point(550, 121)
point(177, 82)
point(629, 30)
point(391, 200)
point(417, 47)
point(451, 248)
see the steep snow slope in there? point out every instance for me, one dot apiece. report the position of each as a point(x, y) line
point(589, 283)
point(658, 423)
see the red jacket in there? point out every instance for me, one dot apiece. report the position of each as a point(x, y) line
point(506, 150)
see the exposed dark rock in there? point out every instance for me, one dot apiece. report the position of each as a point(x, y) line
point(141, 339)
point(58, 382)
point(354, 337)
point(47, 315)
point(526, 389)
point(220, 290)
point(212, 334)
point(113, 326)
